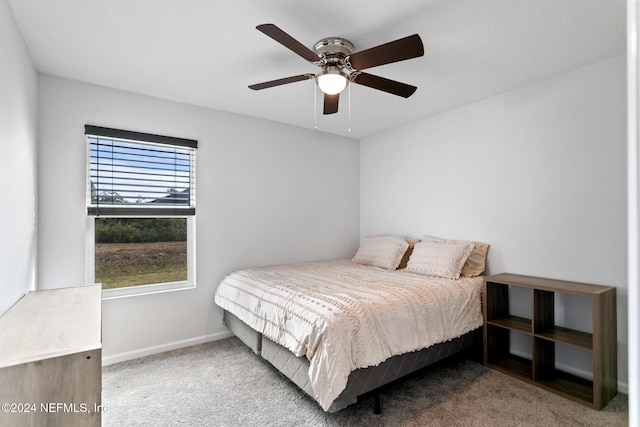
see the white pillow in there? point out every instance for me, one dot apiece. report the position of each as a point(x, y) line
point(440, 259)
point(475, 264)
point(381, 251)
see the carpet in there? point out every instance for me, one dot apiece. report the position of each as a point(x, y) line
point(223, 383)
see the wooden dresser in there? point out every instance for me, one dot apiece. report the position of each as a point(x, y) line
point(51, 359)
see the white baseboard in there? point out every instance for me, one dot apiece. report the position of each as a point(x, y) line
point(148, 351)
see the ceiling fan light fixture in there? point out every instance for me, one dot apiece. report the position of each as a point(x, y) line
point(331, 81)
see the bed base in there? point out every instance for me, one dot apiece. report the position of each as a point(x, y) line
point(360, 381)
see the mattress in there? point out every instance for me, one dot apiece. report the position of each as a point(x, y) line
point(342, 316)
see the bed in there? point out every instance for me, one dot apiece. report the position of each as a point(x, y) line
point(341, 328)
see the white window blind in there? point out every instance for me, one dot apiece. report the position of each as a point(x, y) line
point(139, 174)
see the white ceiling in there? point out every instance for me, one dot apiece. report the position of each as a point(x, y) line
point(206, 52)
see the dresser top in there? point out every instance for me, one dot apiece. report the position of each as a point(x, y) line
point(51, 323)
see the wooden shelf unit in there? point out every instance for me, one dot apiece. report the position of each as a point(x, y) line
point(544, 333)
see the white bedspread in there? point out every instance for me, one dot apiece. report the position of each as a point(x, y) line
point(344, 316)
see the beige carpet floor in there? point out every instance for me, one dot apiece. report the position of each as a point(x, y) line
point(224, 384)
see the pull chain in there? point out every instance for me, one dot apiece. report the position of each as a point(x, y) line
point(315, 107)
point(349, 129)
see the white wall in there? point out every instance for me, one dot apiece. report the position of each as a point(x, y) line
point(18, 163)
point(266, 193)
point(538, 173)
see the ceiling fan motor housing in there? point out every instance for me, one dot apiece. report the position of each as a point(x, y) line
point(333, 45)
point(333, 51)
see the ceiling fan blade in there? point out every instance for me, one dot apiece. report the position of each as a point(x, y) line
point(283, 81)
point(398, 50)
point(331, 103)
point(385, 85)
point(289, 42)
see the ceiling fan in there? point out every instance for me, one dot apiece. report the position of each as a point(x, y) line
point(340, 65)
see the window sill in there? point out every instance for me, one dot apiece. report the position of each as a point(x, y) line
point(132, 291)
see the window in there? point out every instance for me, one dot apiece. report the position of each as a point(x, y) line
point(140, 207)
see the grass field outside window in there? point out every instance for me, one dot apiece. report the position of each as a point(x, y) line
point(134, 251)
